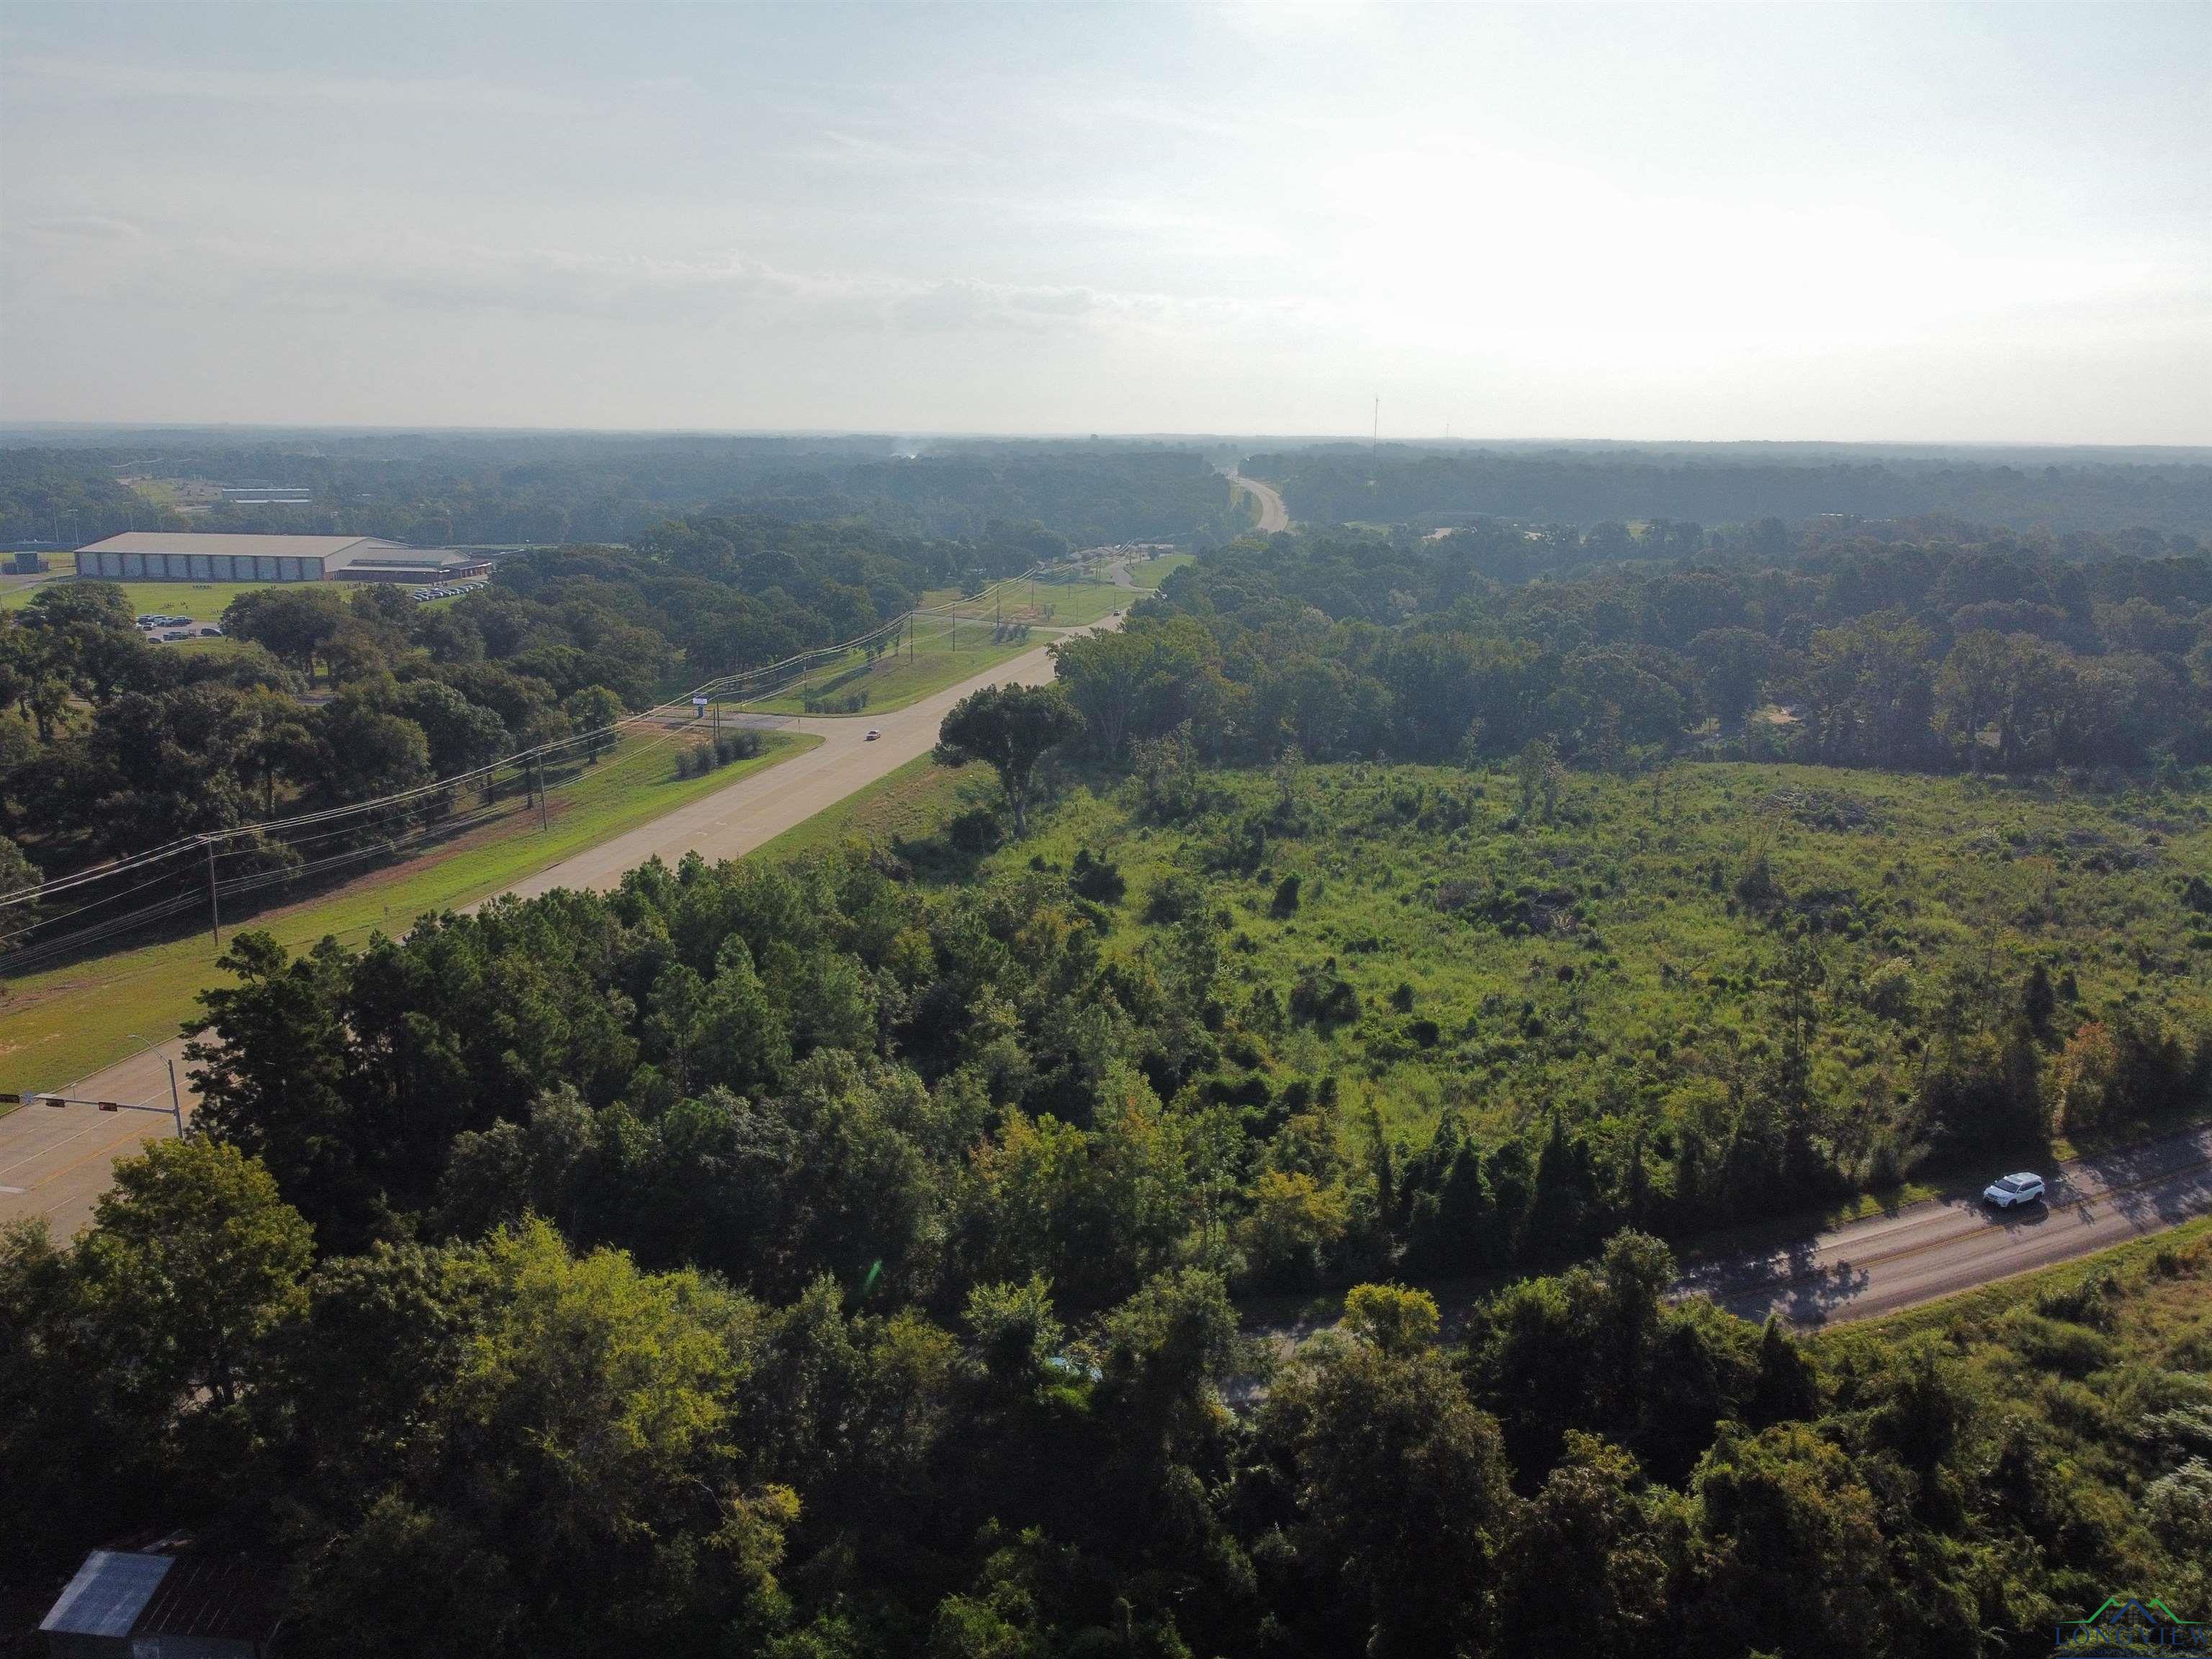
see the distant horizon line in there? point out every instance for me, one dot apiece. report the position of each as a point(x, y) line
point(893, 434)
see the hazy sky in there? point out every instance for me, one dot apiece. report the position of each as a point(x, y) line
point(1835, 222)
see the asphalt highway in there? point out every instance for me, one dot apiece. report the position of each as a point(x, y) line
point(1273, 515)
point(1936, 1249)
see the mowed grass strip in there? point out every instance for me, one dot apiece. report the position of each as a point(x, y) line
point(1150, 574)
point(1049, 602)
point(916, 801)
point(203, 602)
point(62, 1025)
point(896, 679)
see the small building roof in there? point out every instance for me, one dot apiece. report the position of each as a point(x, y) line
point(168, 1590)
point(109, 1592)
point(231, 1596)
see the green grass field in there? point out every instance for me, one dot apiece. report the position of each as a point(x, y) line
point(1077, 604)
point(202, 601)
point(1150, 574)
point(59, 1025)
point(894, 679)
point(1069, 601)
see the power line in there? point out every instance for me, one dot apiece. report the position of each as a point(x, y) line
point(393, 824)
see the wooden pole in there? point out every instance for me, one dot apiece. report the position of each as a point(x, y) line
point(214, 911)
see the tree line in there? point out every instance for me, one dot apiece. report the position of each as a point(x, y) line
point(555, 488)
point(1940, 655)
point(1405, 485)
point(507, 1444)
point(116, 744)
point(119, 745)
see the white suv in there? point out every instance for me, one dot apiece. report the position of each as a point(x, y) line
point(2009, 1192)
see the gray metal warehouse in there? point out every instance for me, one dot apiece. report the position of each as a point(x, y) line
point(194, 556)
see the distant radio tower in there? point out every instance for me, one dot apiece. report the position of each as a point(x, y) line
point(1375, 445)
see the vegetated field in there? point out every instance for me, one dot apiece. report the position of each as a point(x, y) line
point(913, 802)
point(203, 602)
point(61, 1025)
point(944, 653)
point(1065, 601)
point(1620, 965)
point(1154, 572)
point(1076, 604)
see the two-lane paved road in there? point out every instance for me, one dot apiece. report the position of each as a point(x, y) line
point(54, 1162)
point(1916, 1253)
point(1933, 1249)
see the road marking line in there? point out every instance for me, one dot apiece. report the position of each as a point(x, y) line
point(103, 1148)
point(1854, 1264)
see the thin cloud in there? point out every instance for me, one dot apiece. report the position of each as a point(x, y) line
point(256, 89)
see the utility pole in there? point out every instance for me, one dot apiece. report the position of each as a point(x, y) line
point(214, 911)
point(542, 823)
point(176, 1099)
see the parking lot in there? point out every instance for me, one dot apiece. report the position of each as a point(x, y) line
point(163, 627)
point(424, 595)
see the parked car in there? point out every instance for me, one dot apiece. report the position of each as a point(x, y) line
point(178, 633)
point(873, 734)
point(2010, 1192)
point(210, 633)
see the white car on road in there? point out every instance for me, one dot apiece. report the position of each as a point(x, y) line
point(2010, 1192)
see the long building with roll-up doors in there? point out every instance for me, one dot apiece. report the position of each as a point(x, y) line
point(157, 556)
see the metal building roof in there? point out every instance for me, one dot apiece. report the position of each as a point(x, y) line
point(169, 1588)
point(289, 547)
point(109, 1592)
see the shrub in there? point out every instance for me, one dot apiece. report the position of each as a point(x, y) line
point(1096, 879)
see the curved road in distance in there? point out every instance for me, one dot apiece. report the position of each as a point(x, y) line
point(1273, 515)
point(54, 1162)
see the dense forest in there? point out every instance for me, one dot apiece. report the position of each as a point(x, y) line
point(1960, 650)
point(434, 490)
point(818, 1408)
point(844, 1255)
point(2077, 490)
point(116, 744)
